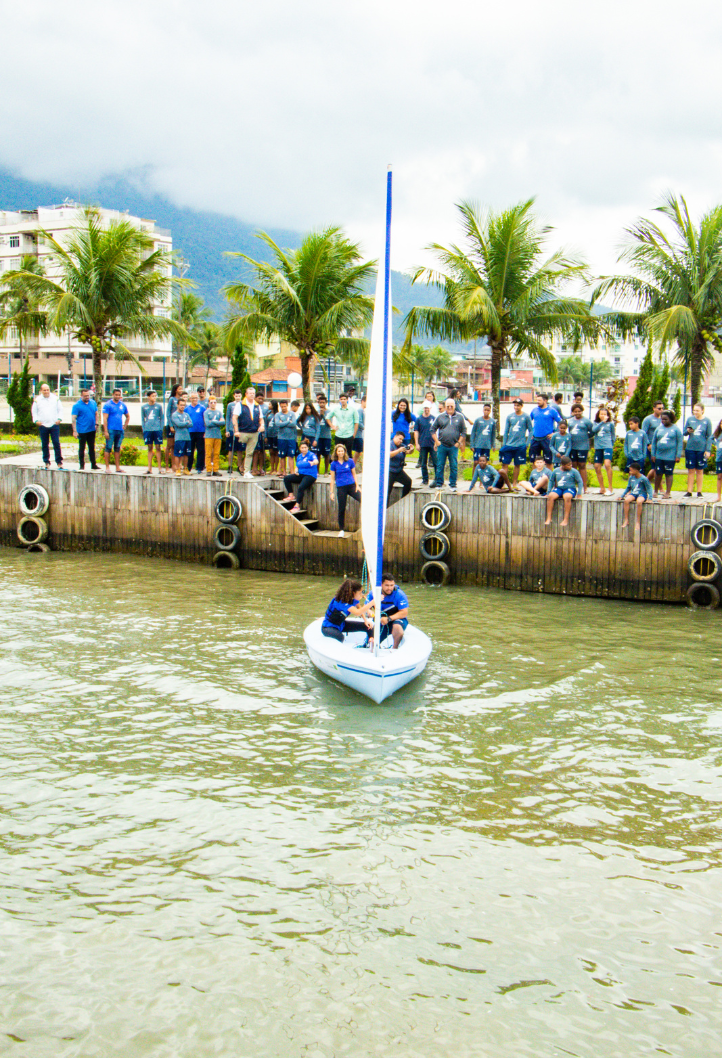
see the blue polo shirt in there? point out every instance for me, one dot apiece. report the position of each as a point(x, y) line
point(197, 417)
point(343, 471)
point(115, 413)
point(85, 415)
point(544, 420)
point(396, 598)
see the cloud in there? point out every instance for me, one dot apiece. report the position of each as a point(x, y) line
point(286, 114)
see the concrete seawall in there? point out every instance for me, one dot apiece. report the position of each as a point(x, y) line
point(496, 541)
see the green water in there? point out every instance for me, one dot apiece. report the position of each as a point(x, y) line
point(210, 849)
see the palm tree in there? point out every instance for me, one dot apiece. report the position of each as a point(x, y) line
point(19, 311)
point(500, 287)
point(108, 281)
point(571, 370)
point(189, 312)
point(675, 291)
point(313, 298)
point(438, 364)
point(207, 337)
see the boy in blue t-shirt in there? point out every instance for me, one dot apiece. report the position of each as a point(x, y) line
point(566, 482)
point(151, 418)
point(638, 491)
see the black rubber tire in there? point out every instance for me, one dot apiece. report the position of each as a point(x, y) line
point(32, 530)
point(37, 549)
point(704, 566)
point(226, 560)
point(434, 546)
point(228, 510)
point(33, 501)
point(706, 534)
point(227, 537)
point(436, 573)
point(702, 596)
point(435, 516)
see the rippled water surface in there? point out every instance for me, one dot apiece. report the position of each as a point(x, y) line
point(210, 849)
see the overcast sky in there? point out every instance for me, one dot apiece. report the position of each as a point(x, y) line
point(286, 113)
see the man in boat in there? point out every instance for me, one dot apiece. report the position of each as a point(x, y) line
point(394, 611)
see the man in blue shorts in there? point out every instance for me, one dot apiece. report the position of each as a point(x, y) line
point(483, 433)
point(394, 610)
point(114, 429)
point(545, 421)
point(581, 432)
point(513, 447)
point(567, 483)
point(151, 418)
point(323, 442)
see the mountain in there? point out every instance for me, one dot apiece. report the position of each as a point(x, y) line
point(202, 236)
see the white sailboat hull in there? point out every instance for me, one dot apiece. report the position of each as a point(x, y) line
point(376, 676)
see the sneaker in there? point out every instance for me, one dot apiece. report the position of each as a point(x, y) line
point(688, 495)
point(700, 496)
point(341, 532)
point(186, 472)
point(295, 510)
point(248, 475)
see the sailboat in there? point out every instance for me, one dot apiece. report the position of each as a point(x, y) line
point(379, 672)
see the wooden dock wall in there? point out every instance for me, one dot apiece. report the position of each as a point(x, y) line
point(496, 541)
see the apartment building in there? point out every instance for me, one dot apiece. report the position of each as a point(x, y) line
point(59, 359)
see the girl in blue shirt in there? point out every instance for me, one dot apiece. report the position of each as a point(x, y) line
point(604, 437)
point(343, 476)
point(307, 468)
point(402, 420)
point(346, 603)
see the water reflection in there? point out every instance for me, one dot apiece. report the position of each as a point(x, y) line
point(210, 849)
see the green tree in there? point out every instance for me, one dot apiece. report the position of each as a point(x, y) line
point(20, 398)
point(660, 384)
point(190, 313)
point(499, 286)
point(677, 405)
point(571, 370)
point(313, 298)
point(20, 311)
point(640, 403)
point(107, 282)
point(240, 379)
point(674, 293)
point(207, 337)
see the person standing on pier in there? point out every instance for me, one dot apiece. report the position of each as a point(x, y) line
point(345, 422)
point(182, 423)
point(698, 440)
point(234, 450)
point(513, 446)
point(213, 420)
point(198, 434)
point(358, 441)
point(483, 434)
point(176, 391)
point(271, 433)
point(151, 419)
point(638, 491)
point(581, 432)
point(561, 442)
point(323, 444)
point(115, 422)
point(565, 482)
point(248, 424)
point(667, 446)
point(343, 478)
point(424, 439)
point(544, 421)
point(47, 413)
point(649, 427)
point(635, 444)
point(286, 429)
point(84, 417)
point(604, 438)
point(449, 434)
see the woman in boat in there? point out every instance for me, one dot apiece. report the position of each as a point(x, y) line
point(343, 477)
point(346, 603)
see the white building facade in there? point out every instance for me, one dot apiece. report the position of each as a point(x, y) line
point(60, 360)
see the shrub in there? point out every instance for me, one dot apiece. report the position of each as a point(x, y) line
point(129, 455)
point(20, 399)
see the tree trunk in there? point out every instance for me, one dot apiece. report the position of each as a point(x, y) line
point(696, 359)
point(496, 358)
point(307, 363)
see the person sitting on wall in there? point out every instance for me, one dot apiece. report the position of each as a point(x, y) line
point(538, 482)
point(115, 422)
point(346, 603)
point(305, 476)
point(394, 611)
point(400, 448)
point(567, 482)
point(487, 478)
point(638, 491)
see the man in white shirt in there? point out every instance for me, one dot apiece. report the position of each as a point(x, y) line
point(47, 413)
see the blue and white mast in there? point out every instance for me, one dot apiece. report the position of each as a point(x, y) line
point(377, 426)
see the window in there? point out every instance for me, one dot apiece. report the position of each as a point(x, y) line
point(14, 242)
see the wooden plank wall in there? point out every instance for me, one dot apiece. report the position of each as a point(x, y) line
point(496, 541)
